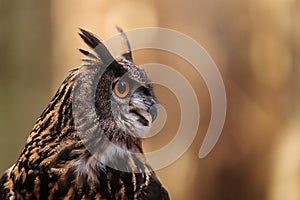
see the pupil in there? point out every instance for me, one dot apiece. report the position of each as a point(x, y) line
point(122, 87)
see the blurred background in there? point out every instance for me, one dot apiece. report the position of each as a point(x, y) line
point(255, 44)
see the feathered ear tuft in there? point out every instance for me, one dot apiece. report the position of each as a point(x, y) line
point(88, 54)
point(89, 38)
point(84, 52)
point(98, 47)
point(126, 45)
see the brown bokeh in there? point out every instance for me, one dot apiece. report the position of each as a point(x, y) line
point(255, 44)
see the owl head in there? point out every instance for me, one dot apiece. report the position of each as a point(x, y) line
point(125, 104)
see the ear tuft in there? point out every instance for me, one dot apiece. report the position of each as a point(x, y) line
point(84, 52)
point(89, 38)
point(87, 53)
point(126, 45)
point(99, 48)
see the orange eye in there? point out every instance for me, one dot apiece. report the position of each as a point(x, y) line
point(122, 89)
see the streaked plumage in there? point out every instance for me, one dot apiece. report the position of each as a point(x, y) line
point(89, 131)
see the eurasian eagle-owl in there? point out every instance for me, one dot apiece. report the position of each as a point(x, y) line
point(86, 144)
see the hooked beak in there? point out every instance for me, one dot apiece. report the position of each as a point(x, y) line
point(147, 112)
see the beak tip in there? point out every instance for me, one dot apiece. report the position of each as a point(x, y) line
point(153, 112)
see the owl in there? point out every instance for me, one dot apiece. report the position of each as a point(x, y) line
point(87, 143)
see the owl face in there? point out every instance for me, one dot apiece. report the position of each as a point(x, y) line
point(133, 103)
point(124, 95)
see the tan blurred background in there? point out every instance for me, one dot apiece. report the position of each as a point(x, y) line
point(255, 44)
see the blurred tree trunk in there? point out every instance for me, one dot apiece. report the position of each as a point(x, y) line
point(25, 75)
point(249, 42)
point(285, 181)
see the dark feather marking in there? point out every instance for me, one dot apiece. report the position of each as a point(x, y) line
point(4, 192)
point(84, 52)
point(29, 181)
point(54, 101)
point(64, 185)
point(127, 179)
point(61, 114)
point(89, 54)
point(103, 187)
